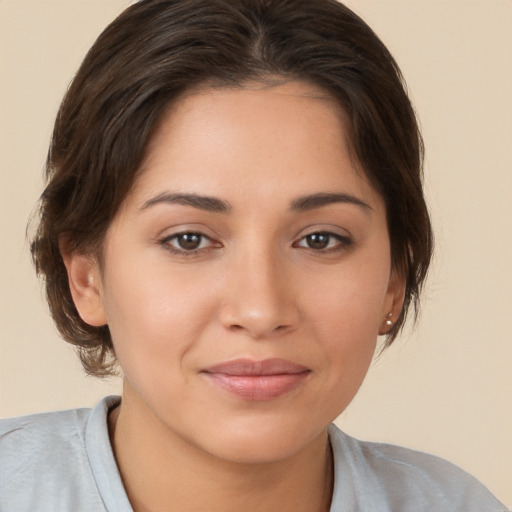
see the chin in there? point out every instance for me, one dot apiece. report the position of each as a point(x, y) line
point(259, 442)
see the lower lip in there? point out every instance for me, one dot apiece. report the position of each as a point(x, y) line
point(258, 387)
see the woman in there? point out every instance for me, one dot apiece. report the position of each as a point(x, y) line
point(233, 214)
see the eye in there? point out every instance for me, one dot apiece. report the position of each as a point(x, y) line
point(187, 242)
point(323, 241)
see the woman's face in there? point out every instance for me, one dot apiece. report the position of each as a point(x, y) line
point(247, 275)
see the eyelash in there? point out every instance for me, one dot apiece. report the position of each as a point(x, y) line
point(167, 243)
point(342, 242)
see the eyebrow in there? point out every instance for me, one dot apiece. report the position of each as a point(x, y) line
point(210, 204)
point(313, 201)
point(213, 204)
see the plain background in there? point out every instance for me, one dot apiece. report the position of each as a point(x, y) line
point(445, 388)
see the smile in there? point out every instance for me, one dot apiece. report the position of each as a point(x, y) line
point(257, 380)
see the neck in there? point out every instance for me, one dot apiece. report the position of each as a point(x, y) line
point(162, 471)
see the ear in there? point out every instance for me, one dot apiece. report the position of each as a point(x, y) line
point(393, 302)
point(85, 284)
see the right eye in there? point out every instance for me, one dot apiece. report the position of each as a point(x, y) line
point(188, 242)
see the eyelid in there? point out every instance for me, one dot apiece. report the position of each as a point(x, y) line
point(326, 228)
point(202, 236)
point(344, 241)
point(165, 242)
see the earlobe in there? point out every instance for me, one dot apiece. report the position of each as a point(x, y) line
point(85, 284)
point(393, 303)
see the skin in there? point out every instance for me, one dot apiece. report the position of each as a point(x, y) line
point(257, 286)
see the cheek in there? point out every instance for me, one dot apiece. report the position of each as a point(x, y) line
point(350, 303)
point(154, 316)
point(346, 314)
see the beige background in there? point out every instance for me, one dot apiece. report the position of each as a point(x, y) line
point(447, 387)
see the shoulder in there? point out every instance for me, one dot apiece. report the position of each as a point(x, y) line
point(399, 479)
point(39, 439)
point(44, 460)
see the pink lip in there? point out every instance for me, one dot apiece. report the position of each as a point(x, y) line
point(257, 380)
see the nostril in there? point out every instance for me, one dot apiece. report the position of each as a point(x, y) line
point(259, 319)
point(255, 331)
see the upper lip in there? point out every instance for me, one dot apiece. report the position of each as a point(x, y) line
point(250, 367)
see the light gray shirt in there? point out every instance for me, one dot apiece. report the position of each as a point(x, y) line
point(63, 462)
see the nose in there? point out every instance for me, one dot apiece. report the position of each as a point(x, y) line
point(259, 300)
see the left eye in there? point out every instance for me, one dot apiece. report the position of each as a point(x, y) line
point(322, 241)
point(188, 241)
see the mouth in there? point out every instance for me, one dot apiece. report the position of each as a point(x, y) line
point(257, 380)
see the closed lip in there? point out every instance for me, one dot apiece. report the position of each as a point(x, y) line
point(249, 367)
point(254, 380)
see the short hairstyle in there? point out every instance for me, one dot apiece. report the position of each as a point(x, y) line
point(157, 49)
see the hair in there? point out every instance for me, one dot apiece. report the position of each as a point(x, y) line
point(157, 49)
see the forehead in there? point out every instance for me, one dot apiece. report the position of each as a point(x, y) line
point(290, 136)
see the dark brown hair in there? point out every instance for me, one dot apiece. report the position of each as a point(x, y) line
point(155, 50)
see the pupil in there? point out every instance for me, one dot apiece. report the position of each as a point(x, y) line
point(189, 241)
point(318, 241)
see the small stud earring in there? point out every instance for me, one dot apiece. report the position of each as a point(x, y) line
point(389, 322)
